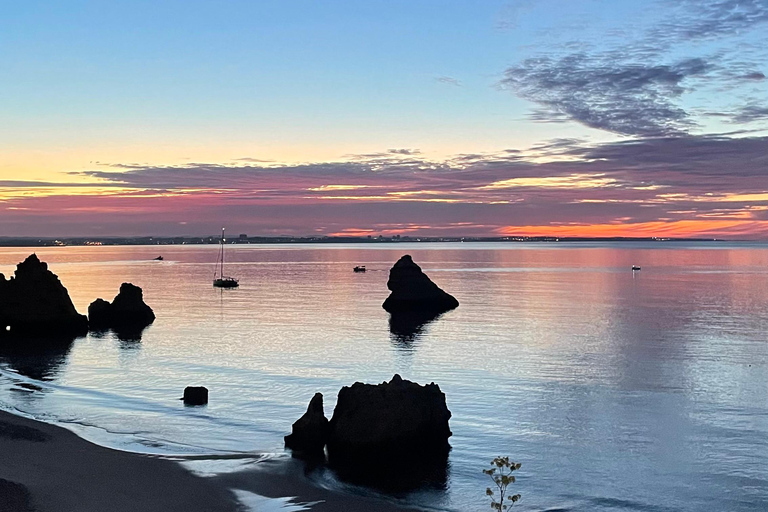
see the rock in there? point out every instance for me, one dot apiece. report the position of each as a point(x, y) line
point(390, 421)
point(195, 395)
point(34, 303)
point(310, 432)
point(413, 291)
point(127, 311)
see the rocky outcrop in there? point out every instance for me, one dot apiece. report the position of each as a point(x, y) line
point(195, 395)
point(389, 420)
point(392, 436)
point(310, 432)
point(412, 291)
point(34, 303)
point(127, 311)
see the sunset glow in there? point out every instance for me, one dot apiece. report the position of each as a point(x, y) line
point(499, 120)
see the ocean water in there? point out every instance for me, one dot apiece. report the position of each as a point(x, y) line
point(615, 390)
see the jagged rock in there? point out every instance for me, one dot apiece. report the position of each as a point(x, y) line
point(413, 291)
point(389, 423)
point(34, 303)
point(127, 310)
point(195, 395)
point(310, 432)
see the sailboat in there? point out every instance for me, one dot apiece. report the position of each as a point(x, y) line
point(219, 279)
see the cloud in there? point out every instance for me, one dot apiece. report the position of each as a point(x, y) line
point(750, 113)
point(447, 80)
point(676, 182)
point(644, 83)
point(710, 19)
point(404, 151)
point(599, 92)
point(754, 75)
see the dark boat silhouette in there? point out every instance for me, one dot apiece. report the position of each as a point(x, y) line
point(219, 279)
point(159, 258)
point(635, 267)
point(359, 268)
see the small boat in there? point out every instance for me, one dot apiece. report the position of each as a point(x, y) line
point(635, 267)
point(359, 268)
point(219, 279)
point(159, 258)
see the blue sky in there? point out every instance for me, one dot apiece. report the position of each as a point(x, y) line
point(124, 87)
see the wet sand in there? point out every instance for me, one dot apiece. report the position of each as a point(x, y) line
point(46, 468)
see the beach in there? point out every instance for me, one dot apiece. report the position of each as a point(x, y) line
point(48, 468)
point(62, 472)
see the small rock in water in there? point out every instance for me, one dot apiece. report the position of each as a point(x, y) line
point(195, 395)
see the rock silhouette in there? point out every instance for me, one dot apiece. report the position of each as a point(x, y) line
point(392, 436)
point(388, 420)
point(310, 432)
point(413, 291)
point(34, 303)
point(126, 312)
point(195, 395)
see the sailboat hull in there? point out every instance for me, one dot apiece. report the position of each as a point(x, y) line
point(227, 282)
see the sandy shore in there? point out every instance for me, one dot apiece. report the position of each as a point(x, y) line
point(48, 468)
point(45, 468)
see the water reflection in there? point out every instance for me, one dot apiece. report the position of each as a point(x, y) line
point(40, 359)
point(417, 473)
point(406, 328)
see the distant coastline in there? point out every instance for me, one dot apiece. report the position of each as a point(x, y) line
point(245, 240)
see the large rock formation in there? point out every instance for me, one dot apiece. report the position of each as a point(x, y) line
point(392, 436)
point(412, 291)
point(127, 310)
point(388, 420)
point(34, 303)
point(310, 432)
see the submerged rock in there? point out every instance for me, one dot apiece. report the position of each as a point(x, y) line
point(195, 395)
point(413, 291)
point(394, 420)
point(127, 311)
point(310, 432)
point(34, 303)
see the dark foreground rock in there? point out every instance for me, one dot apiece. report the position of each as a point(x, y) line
point(392, 436)
point(412, 291)
point(389, 420)
point(126, 312)
point(195, 395)
point(34, 303)
point(310, 432)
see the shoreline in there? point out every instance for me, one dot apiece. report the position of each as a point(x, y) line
point(46, 468)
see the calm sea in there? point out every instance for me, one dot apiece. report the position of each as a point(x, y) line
point(615, 390)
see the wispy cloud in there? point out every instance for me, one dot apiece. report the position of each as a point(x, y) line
point(448, 80)
point(635, 84)
point(602, 93)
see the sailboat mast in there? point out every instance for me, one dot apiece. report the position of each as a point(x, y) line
point(222, 253)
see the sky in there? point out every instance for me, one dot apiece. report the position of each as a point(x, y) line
point(419, 117)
